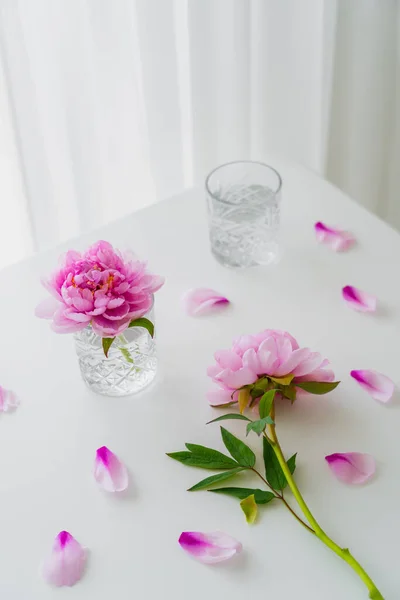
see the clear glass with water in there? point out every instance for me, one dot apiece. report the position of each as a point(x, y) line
point(244, 213)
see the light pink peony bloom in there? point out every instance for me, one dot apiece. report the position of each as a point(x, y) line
point(103, 287)
point(273, 353)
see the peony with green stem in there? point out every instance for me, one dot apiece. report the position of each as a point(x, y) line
point(256, 373)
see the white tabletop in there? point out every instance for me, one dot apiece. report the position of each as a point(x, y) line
point(47, 446)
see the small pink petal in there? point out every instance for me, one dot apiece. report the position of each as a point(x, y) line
point(66, 563)
point(337, 239)
point(8, 400)
point(351, 467)
point(236, 379)
point(209, 548)
point(376, 384)
point(359, 300)
point(219, 397)
point(202, 300)
point(110, 473)
point(47, 308)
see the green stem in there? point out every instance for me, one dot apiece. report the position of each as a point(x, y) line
point(344, 553)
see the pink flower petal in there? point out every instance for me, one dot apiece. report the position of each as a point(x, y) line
point(110, 473)
point(66, 563)
point(351, 467)
point(228, 359)
point(377, 385)
point(8, 400)
point(209, 548)
point(202, 300)
point(359, 300)
point(47, 308)
point(235, 379)
point(219, 397)
point(335, 238)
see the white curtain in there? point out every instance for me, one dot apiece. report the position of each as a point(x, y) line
point(108, 105)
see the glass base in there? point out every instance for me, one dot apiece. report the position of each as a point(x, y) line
point(232, 261)
point(131, 365)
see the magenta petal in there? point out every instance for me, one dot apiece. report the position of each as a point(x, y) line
point(8, 400)
point(335, 238)
point(110, 473)
point(209, 548)
point(377, 385)
point(351, 467)
point(359, 300)
point(202, 300)
point(66, 563)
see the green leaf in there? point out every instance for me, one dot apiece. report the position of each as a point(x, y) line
point(318, 387)
point(273, 470)
point(205, 483)
point(259, 426)
point(106, 343)
point(212, 456)
point(249, 507)
point(260, 496)
point(229, 416)
point(238, 450)
point(266, 403)
point(289, 391)
point(143, 322)
point(126, 354)
point(287, 380)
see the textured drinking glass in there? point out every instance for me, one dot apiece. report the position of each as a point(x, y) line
point(131, 364)
point(244, 213)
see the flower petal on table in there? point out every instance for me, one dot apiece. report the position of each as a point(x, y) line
point(376, 384)
point(351, 467)
point(359, 300)
point(199, 301)
point(110, 473)
point(209, 548)
point(8, 400)
point(66, 563)
point(337, 239)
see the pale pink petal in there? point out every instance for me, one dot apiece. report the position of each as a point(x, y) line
point(335, 238)
point(268, 356)
point(110, 473)
point(47, 308)
point(351, 467)
point(309, 365)
point(8, 400)
point(219, 397)
point(243, 343)
point(228, 359)
point(377, 385)
point(359, 300)
point(320, 374)
point(66, 563)
point(236, 379)
point(283, 348)
point(213, 371)
point(202, 300)
point(209, 548)
point(250, 360)
point(296, 358)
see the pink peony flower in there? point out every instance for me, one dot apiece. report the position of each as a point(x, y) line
point(270, 353)
point(103, 287)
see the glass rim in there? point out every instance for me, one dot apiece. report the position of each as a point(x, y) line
point(240, 162)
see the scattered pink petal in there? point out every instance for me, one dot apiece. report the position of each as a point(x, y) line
point(200, 301)
point(209, 548)
point(337, 239)
point(66, 563)
point(8, 400)
point(359, 300)
point(110, 473)
point(351, 467)
point(376, 384)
